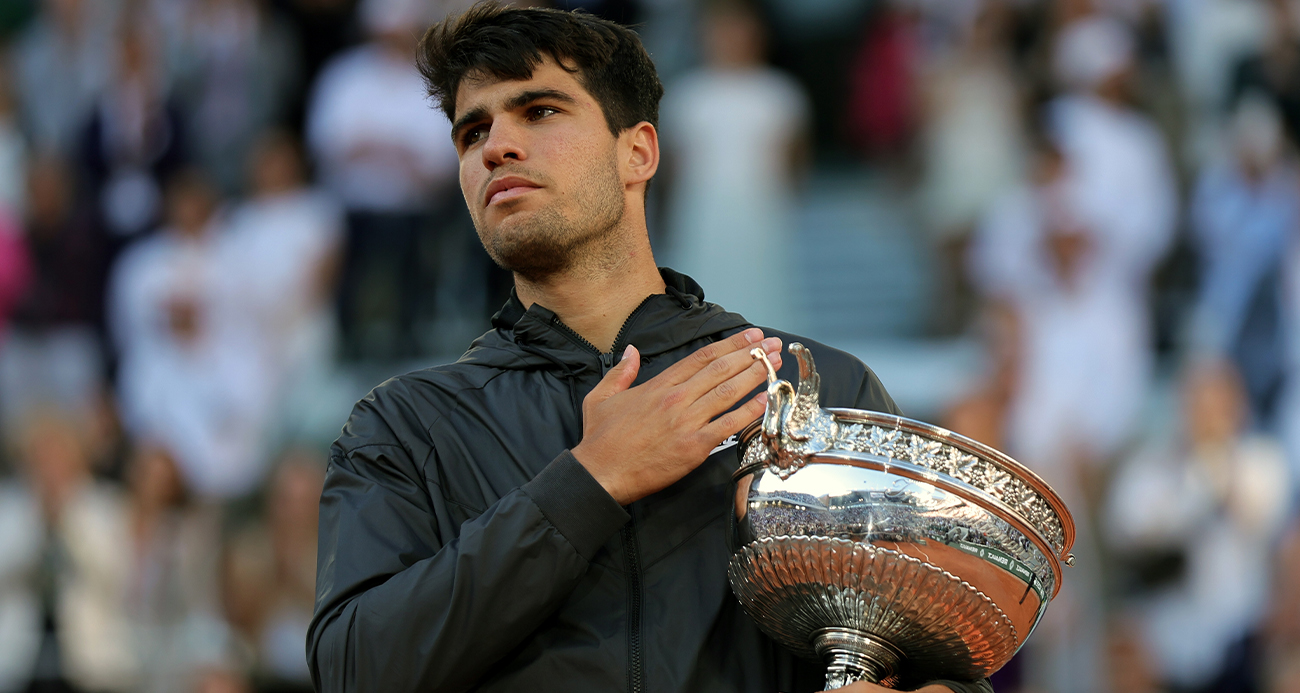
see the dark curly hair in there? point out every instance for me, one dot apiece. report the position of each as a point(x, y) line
point(509, 43)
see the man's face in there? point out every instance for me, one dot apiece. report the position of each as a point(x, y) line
point(538, 168)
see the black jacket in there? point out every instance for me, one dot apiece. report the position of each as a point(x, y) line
point(463, 548)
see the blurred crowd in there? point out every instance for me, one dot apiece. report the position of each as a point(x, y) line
point(204, 206)
point(1112, 190)
point(209, 206)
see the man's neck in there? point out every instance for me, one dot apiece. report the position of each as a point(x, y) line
point(595, 302)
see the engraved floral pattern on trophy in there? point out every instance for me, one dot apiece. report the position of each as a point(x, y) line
point(955, 463)
point(817, 431)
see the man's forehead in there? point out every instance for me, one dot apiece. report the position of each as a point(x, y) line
point(481, 89)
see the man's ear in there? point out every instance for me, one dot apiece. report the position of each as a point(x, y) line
point(639, 147)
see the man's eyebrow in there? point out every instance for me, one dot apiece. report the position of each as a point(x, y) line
point(473, 115)
point(517, 101)
point(524, 98)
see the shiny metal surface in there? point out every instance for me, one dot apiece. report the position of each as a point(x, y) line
point(893, 550)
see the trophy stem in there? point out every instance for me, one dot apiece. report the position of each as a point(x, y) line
point(852, 655)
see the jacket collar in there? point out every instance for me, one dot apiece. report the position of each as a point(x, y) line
point(661, 323)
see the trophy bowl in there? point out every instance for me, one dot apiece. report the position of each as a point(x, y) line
point(895, 551)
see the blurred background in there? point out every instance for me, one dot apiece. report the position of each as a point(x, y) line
point(1067, 228)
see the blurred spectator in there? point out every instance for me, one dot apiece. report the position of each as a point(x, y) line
point(15, 266)
point(668, 32)
point(737, 131)
point(287, 238)
point(981, 413)
point(15, 15)
point(1281, 665)
point(293, 518)
point(194, 373)
point(379, 144)
point(388, 156)
point(1082, 281)
point(219, 680)
point(1073, 254)
point(64, 567)
point(883, 99)
point(53, 355)
point(1275, 70)
point(135, 138)
point(173, 598)
point(1244, 212)
point(63, 61)
point(1131, 668)
point(270, 575)
point(324, 28)
point(1208, 40)
point(238, 74)
point(13, 147)
point(1194, 519)
point(1027, 258)
point(972, 145)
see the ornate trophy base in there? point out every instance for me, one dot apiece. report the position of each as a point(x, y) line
point(870, 613)
point(852, 655)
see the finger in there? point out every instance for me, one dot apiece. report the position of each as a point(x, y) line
point(727, 367)
point(682, 371)
point(618, 379)
point(724, 395)
point(730, 423)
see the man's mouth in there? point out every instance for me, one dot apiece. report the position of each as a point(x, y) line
point(507, 188)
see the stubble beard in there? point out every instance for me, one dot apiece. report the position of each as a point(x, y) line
point(548, 244)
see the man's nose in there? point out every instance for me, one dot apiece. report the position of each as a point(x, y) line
point(504, 143)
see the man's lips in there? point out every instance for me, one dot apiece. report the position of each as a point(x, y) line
point(507, 188)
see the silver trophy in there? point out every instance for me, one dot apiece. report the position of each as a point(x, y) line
point(895, 551)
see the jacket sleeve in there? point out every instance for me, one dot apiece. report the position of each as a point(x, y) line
point(873, 397)
point(400, 609)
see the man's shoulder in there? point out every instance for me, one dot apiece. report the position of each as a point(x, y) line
point(828, 359)
point(401, 410)
point(845, 380)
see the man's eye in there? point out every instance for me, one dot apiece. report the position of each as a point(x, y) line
point(539, 112)
point(473, 135)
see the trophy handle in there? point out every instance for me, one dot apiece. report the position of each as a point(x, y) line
point(795, 426)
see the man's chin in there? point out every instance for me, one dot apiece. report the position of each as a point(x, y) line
point(531, 258)
point(513, 224)
point(532, 272)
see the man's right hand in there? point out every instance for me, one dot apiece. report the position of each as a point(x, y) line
point(639, 440)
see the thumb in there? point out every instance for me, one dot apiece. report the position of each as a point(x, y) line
point(619, 378)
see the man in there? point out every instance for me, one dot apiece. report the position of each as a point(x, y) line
point(549, 512)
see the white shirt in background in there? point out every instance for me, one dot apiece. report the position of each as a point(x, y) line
point(380, 143)
point(732, 133)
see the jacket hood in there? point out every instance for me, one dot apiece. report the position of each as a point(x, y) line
point(536, 337)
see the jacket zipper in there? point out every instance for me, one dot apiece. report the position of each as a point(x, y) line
point(631, 549)
point(622, 331)
point(607, 360)
point(632, 554)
